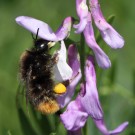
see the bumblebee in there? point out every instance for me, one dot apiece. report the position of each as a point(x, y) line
point(36, 71)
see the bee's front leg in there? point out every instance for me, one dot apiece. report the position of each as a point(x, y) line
point(55, 58)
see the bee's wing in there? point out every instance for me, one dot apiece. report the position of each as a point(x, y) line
point(23, 90)
point(19, 94)
point(27, 83)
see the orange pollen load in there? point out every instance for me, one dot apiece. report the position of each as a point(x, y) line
point(59, 88)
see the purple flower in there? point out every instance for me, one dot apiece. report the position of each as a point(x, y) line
point(62, 69)
point(102, 59)
point(87, 104)
point(103, 129)
point(74, 79)
point(82, 11)
point(45, 30)
point(109, 34)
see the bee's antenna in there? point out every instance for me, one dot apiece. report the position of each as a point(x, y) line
point(37, 34)
point(35, 38)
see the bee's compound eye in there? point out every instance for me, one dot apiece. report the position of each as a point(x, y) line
point(42, 46)
point(59, 88)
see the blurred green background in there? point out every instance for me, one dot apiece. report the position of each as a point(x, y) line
point(116, 85)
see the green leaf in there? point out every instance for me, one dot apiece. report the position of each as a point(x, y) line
point(42, 121)
point(25, 124)
point(110, 19)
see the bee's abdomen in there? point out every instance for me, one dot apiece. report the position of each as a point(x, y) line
point(36, 71)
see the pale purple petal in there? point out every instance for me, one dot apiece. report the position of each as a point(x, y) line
point(65, 28)
point(109, 34)
point(82, 11)
point(93, 2)
point(112, 38)
point(101, 126)
point(103, 129)
point(77, 132)
point(33, 25)
point(63, 100)
point(119, 129)
point(102, 59)
point(73, 119)
point(76, 76)
point(86, 104)
point(90, 100)
point(73, 59)
point(62, 70)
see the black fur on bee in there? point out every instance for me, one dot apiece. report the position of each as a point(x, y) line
point(36, 67)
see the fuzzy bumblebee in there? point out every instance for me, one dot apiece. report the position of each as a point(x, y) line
point(36, 71)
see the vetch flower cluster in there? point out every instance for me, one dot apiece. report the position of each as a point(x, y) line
point(87, 103)
point(108, 33)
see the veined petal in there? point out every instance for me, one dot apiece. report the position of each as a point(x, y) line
point(76, 76)
point(62, 70)
point(86, 104)
point(112, 37)
point(103, 129)
point(102, 59)
point(73, 59)
point(63, 100)
point(82, 11)
point(73, 119)
point(109, 34)
point(90, 100)
point(33, 25)
point(65, 28)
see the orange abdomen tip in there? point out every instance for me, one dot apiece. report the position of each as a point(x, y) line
point(48, 107)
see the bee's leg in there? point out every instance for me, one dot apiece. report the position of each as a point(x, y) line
point(61, 88)
point(67, 82)
point(74, 76)
point(55, 58)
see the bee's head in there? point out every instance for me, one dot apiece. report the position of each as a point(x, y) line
point(41, 45)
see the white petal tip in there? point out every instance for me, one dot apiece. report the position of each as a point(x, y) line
point(19, 19)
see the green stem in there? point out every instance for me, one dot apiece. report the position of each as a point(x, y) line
point(82, 55)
